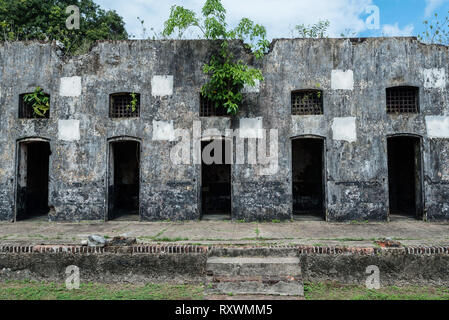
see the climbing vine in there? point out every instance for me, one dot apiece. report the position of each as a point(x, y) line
point(134, 101)
point(39, 101)
point(228, 76)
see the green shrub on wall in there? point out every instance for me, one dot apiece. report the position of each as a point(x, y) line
point(228, 76)
point(39, 101)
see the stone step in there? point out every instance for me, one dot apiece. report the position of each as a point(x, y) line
point(282, 288)
point(253, 266)
point(247, 297)
point(276, 276)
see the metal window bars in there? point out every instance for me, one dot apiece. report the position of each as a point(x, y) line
point(120, 105)
point(208, 109)
point(26, 110)
point(403, 100)
point(307, 102)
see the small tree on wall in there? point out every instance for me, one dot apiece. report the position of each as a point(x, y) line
point(315, 31)
point(437, 30)
point(228, 75)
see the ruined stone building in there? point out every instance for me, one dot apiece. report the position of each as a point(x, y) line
point(356, 129)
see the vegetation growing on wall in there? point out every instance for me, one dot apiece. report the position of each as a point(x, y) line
point(317, 30)
point(39, 101)
point(46, 20)
point(437, 30)
point(228, 76)
point(134, 101)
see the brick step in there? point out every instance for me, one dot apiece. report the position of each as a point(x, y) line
point(270, 276)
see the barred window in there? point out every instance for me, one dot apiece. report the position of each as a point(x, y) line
point(124, 105)
point(403, 100)
point(307, 102)
point(208, 109)
point(26, 110)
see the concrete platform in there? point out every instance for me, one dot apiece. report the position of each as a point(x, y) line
point(219, 233)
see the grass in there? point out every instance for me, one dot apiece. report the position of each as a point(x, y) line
point(335, 291)
point(30, 290)
point(348, 239)
point(359, 222)
point(177, 239)
point(256, 239)
point(153, 237)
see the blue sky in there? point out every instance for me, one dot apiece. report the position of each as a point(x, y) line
point(410, 12)
point(397, 17)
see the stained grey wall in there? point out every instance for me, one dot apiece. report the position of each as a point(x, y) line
point(168, 74)
point(357, 173)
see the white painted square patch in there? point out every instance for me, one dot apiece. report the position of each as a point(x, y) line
point(163, 131)
point(437, 126)
point(162, 86)
point(342, 80)
point(251, 128)
point(70, 87)
point(69, 130)
point(249, 89)
point(344, 129)
point(434, 78)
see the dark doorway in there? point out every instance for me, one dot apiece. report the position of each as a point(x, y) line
point(404, 176)
point(308, 176)
point(124, 178)
point(216, 179)
point(32, 180)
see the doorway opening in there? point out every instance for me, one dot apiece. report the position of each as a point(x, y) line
point(216, 203)
point(124, 180)
point(32, 180)
point(308, 179)
point(404, 176)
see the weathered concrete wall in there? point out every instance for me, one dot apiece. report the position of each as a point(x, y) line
point(106, 268)
point(168, 75)
point(357, 173)
point(396, 267)
point(188, 264)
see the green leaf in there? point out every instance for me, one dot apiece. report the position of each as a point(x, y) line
point(39, 20)
point(180, 19)
point(227, 76)
point(39, 101)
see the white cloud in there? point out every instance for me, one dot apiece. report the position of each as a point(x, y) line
point(432, 5)
point(279, 16)
point(393, 30)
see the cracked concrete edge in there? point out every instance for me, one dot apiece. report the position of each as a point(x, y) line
point(220, 250)
point(243, 243)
